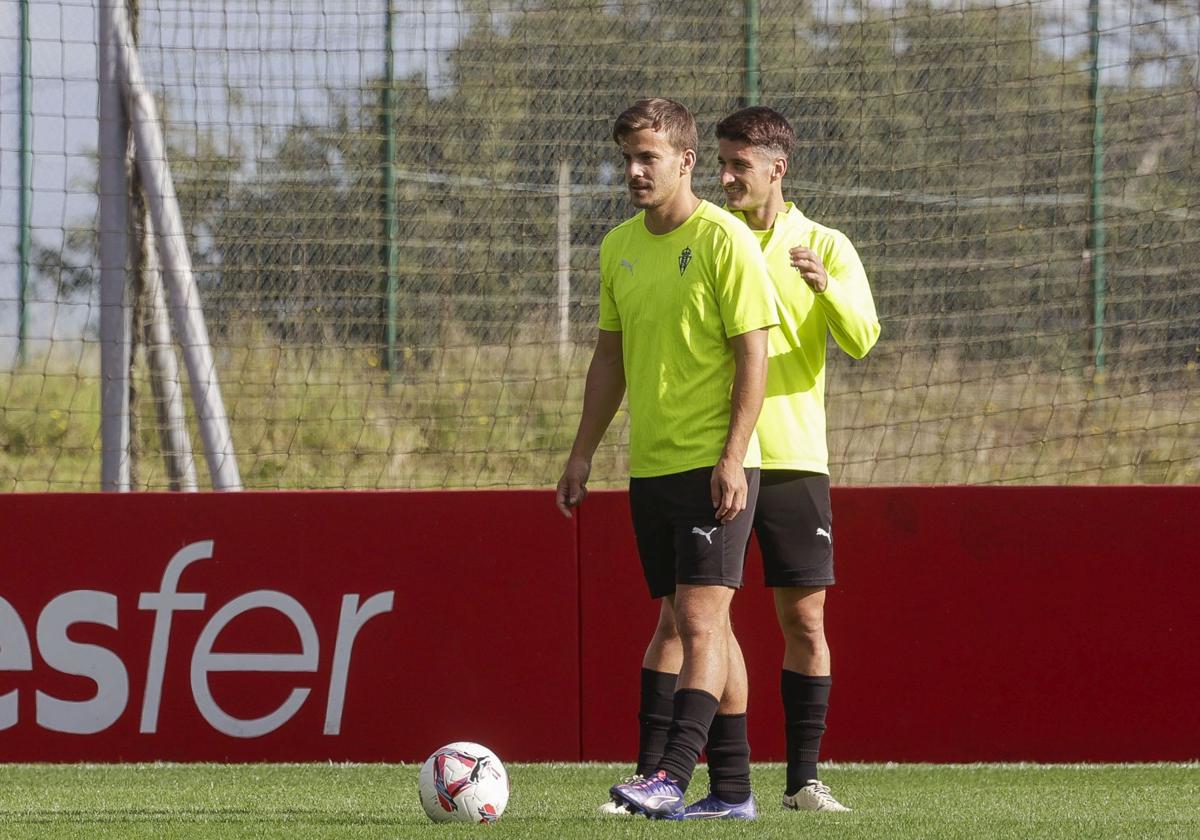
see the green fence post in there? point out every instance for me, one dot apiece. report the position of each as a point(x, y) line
point(391, 258)
point(26, 192)
point(752, 84)
point(1096, 232)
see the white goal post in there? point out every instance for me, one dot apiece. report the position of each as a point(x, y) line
point(126, 103)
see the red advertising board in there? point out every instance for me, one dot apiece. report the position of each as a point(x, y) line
point(1016, 623)
point(968, 624)
point(286, 626)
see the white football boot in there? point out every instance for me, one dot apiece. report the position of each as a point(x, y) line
point(814, 796)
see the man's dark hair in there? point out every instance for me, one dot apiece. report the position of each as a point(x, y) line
point(665, 115)
point(759, 126)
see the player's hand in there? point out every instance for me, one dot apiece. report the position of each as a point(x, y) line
point(572, 487)
point(806, 261)
point(729, 490)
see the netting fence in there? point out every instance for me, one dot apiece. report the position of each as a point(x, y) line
point(439, 338)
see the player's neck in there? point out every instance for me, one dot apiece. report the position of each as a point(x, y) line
point(671, 214)
point(763, 218)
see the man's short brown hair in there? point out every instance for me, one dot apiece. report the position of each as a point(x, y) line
point(759, 126)
point(665, 115)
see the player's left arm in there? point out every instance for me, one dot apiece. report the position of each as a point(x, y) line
point(729, 488)
point(746, 300)
point(839, 283)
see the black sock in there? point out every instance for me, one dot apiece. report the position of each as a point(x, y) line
point(694, 712)
point(805, 701)
point(654, 718)
point(729, 759)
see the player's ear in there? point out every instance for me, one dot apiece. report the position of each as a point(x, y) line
point(688, 161)
point(779, 168)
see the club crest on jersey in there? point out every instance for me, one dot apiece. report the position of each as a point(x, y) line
point(685, 257)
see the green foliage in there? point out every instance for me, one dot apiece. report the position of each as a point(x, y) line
point(952, 144)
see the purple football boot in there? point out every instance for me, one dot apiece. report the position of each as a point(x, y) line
point(658, 796)
point(712, 808)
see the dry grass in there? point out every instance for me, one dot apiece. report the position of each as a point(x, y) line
point(504, 416)
point(910, 419)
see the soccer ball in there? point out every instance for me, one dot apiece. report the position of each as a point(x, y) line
point(463, 782)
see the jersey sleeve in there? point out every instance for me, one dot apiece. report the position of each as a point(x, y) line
point(847, 302)
point(610, 317)
point(743, 286)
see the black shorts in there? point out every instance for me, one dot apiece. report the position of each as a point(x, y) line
point(678, 538)
point(794, 525)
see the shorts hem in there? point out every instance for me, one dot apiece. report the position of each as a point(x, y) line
point(732, 584)
point(776, 583)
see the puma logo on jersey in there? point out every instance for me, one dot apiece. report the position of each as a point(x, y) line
point(706, 534)
point(685, 257)
point(821, 532)
point(627, 264)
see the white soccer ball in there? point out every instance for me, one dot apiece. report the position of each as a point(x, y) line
point(463, 782)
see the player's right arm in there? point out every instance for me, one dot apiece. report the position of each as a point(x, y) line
point(602, 394)
point(604, 387)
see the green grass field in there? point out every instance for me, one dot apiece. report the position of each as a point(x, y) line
point(559, 801)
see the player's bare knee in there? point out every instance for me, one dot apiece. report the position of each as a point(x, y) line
point(805, 629)
point(702, 617)
point(702, 629)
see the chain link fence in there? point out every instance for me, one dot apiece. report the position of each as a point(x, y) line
point(439, 338)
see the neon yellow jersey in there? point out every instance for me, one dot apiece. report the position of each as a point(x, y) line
point(791, 428)
point(676, 299)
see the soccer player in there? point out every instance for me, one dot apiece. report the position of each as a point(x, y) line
point(822, 288)
point(685, 307)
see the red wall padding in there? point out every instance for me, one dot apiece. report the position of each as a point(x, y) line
point(481, 643)
point(969, 624)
